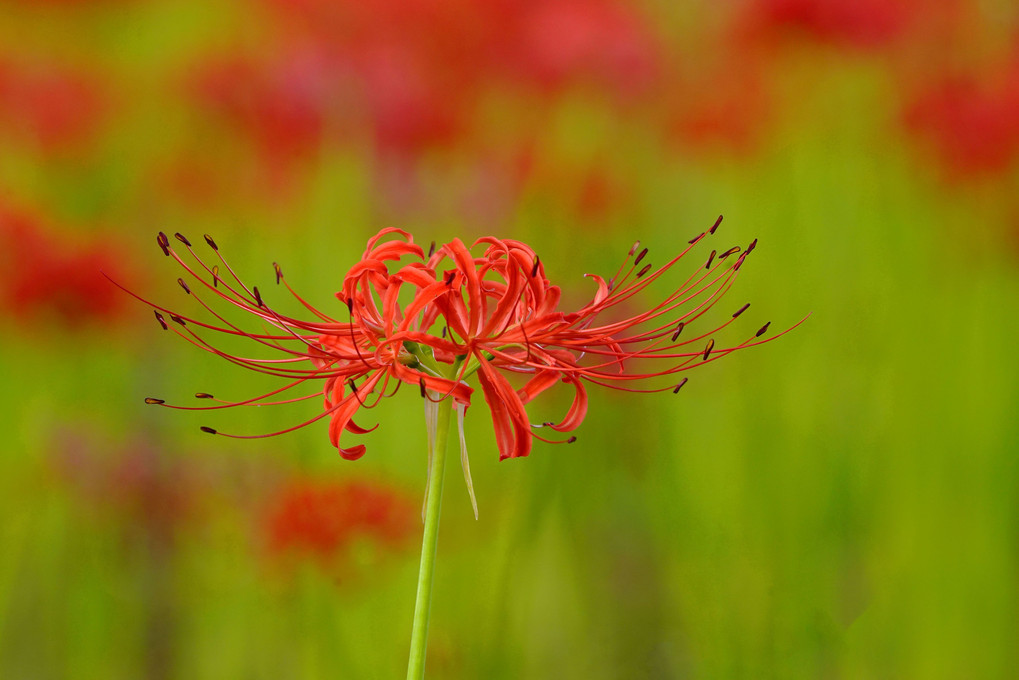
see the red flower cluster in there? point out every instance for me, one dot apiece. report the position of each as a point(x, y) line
point(414, 74)
point(432, 320)
point(322, 518)
point(47, 275)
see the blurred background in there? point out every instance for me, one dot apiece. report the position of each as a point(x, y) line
point(841, 503)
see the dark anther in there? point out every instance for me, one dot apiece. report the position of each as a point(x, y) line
point(534, 267)
point(279, 272)
point(203, 395)
point(258, 296)
point(352, 386)
point(715, 225)
point(734, 249)
point(159, 318)
point(445, 329)
point(711, 258)
point(640, 257)
point(644, 270)
point(636, 244)
point(208, 429)
point(153, 400)
point(212, 244)
point(431, 250)
point(350, 305)
point(180, 237)
point(679, 329)
point(679, 386)
point(571, 440)
point(697, 238)
point(176, 319)
point(707, 350)
point(164, 243)
point(741, 310)
point(215, 276)
point(753, 244)
point(421, 384)
point(764, 329)
point(184, 286)
point(450, 276)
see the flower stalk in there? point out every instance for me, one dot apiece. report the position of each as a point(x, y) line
point(433, 506)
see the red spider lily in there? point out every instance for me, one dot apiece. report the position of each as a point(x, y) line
point(436, 320)
point(322, 518)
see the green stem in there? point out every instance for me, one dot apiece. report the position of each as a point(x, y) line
point(433, 503)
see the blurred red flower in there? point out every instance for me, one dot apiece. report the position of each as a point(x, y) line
point(971, 121)
point(725, 106)
point(49, 106)
point(322, 518)
point(51, 275)
point(280, 103)
point(849, 23)
point(604, 43)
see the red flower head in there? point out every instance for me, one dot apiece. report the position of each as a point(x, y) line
point(323, 518)
point(434, 320)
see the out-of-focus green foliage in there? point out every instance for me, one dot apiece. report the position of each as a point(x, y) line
point(839, 503)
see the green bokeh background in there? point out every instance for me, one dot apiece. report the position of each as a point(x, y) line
point(840, 503)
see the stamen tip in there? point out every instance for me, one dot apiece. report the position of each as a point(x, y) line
point(164, 243)
point(679, 386)
point(153, 400)
point(763, 330)
point(741, 310)
point(208, 429)
point(715, 225)
point(203, 395)
point(212, 244)
point(180, 237)
point(708, 348)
